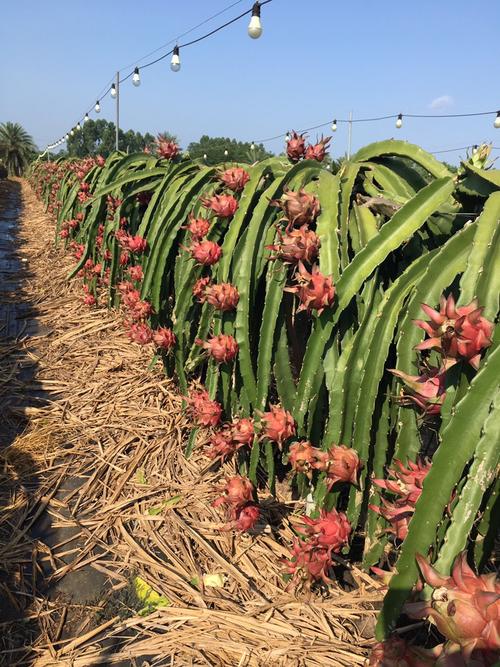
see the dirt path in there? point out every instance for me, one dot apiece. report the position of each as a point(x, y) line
point(108, 540)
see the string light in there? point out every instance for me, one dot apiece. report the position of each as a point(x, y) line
point(205, 156)
point(72, 132)
point(175, 63)
point(136, 78)
point(497, 121)
point(252, 146)
point(287, 137)
point(67, 136)
point(226, 152)
point(255, 25)
point(113, 90)
point(97, 107)
point(78, 126)
point(399, 121)
point(86, 118)
point(334, 126)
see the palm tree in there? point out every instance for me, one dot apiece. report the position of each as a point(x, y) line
point(16, 147)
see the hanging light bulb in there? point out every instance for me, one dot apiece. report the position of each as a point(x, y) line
point(252, 146)
point(113, 90)
point(205, 156)
point(78, 126)
point(226, 153)
point(399, 121)
point(255, 26)
point(86, 118)
point(287, 136)
point(97, 107)
point(67, 136)
point(136, 78)
point(72, 132)
point(334, 126)
point(497, 121)
point(175, 63)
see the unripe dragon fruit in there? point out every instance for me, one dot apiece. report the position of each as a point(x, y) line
point(164, 338)
point(296, 146)
point(222, 296)
point(300, 208)
point(340, 463)
point(315, 290)
point(136, 273)
point(465, 607)
point(206, 253)
point(318, 150)
point(277, 425)
point(235, 179)
point(427, 391)
point(222, 348)
point(296, 245)
point(243, 431)
point(198, 227)
point(199, 289)
point(223, 206)
point(203, 410)
point(459, 333)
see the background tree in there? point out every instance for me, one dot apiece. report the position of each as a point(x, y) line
point(97, 137)
point(238, 151)
point(17, 148)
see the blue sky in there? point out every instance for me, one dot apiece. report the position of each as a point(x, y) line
point(316, 60)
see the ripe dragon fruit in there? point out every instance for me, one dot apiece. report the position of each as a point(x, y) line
point(198, 227)
point(340, 463)
point(137, 244)
point(302, 456)
point(277, 425)
point(166, 149)
point(164, 338)
point(460, 333)
point(238, 497)
point(243, 431)
point(223, 206)
point(300, 208)
point(407, 484)
point(100, 161)
point(136, 273)
point(203, 410)
point(222, 296)
point(199, 289)
point(318, 150)
point(89, 300)
point(139, 333)
point(296, 146)
point(464, 607)
point(124, 259)
point(222, 348)
point(206, 253)
point(221, 445)
point(331, 530)
point(64, 233)
point(427, 391)
point(396, 652)
point(297, 245)
point(315, 290)
point(235, 179)
point(307, 564)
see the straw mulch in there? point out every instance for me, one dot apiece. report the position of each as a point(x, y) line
point(141, 509)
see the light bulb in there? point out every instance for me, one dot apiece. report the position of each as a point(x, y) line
point(252, 147)
point(175, 63)
point(287, 136)
point(334, 126)
point(86, 118)
point(113, 90)
point(226, 153)
point(97, 107)
point(136, 78)
point(328, 167)
point(255, 26)
point(205, 156)
point(497, 121)
point(72, 132)
point(67, 136)
point(78, 126)
point(399, 121)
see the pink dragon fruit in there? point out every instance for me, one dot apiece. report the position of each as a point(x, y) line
point(296, 245)
point(296, 146)
point(277, 425)
point(340, 463)
point(164, 338)
point(243, 431)
point(200, 288)
point(427, 391)
point(223, 206)
point(300, 208)
point(206, 253)
point(315, 290)
point(318, 150)
point(222, 296)
point(203, 410)
point(223, 348)
point(235, 179)
point(198, 227)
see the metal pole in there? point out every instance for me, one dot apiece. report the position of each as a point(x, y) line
point(117, 85)
point(349, 139)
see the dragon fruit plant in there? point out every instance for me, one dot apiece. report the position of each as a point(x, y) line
point(295, 297)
